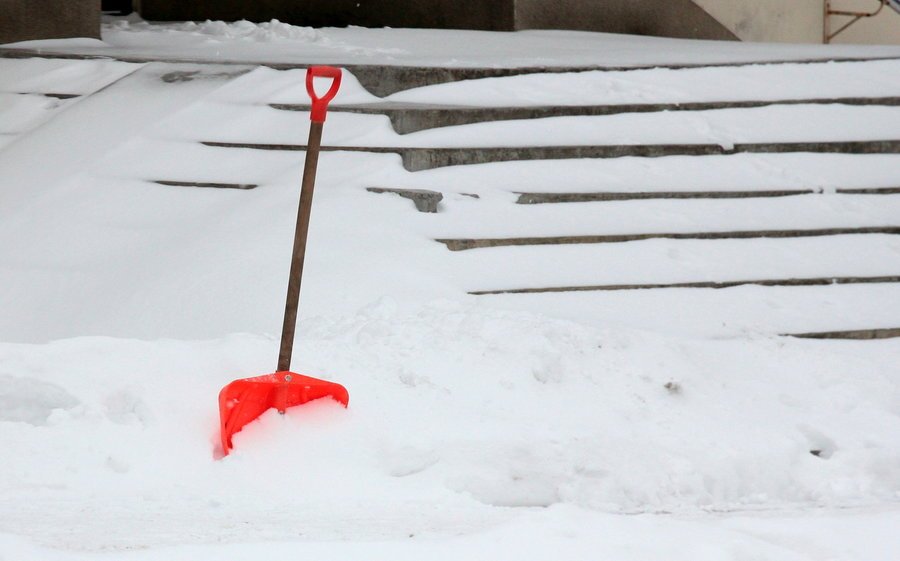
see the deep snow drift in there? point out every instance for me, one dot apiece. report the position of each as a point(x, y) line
point(462, 419)
point(664, 424)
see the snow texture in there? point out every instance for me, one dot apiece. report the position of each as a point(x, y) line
point(669, 424)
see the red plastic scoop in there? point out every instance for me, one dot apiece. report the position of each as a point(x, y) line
point(242, 401)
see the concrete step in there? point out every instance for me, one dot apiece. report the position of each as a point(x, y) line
point(427, 200)
point(671, 262)
point(740, 311)
point(411, 117)
point(601, 196)
point(855, 334)
point(424, 200)
point(53, 95)
point(461, 244)
point(821, 281)
point(417, 158)
point(496, 217)
point(241, 186)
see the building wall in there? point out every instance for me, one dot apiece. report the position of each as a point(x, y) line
point(801, 21)
point(881, 29)
point(665, 18)
point(795, 21)
point(23, 20)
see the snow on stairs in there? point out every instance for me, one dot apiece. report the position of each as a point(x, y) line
point(872, 240)
point(408, 118)
point(412, 117)
point(424, 158)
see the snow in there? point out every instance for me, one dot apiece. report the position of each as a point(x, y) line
point(633, 425)
point(277, 42)
point(578, 534)
point(473, 415)
point(43, 75)
point(724, 127)
point(664, 85)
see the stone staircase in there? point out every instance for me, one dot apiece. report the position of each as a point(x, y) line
point(874, 236)
point(407, 118)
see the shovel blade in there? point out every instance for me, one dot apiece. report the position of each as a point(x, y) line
point(243, 401)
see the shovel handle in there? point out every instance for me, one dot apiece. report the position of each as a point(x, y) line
point(320, 104)
point(317, 116)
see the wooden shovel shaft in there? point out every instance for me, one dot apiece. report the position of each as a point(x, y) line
point(299, 253)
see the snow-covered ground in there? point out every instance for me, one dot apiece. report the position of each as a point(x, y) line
point(670, 424)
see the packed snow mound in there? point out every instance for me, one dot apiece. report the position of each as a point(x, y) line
point(31, 401)
point(242, 30)
point(456, 413)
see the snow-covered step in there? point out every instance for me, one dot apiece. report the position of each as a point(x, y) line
point(497, 217)
point(223, 122)
point(150, 158)
point(412, 117)
point(418, 159)
point(817, 281)
point(20, 113)
point(668, 261)
point(460, 244)
point(387, 80)
point(126, 99)
point(738, 172)
point(732, 312)
point(33, 91)
point(61, 78)
point(761, 82)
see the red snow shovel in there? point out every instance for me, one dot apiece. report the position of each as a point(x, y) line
point(242, 401)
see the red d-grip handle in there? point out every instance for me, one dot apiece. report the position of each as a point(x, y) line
point(320, 104)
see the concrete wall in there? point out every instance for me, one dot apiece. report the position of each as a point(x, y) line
point(882, 29)
point(496, 15)
point(23, 20)
point(665, 18)
point(794, 21)
point(801, 21)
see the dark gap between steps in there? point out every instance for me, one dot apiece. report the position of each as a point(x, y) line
point(240, 186)
point(542, 198)
point(53, 95)
point(819, 281)
point(855, 334)
point(461, 244)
